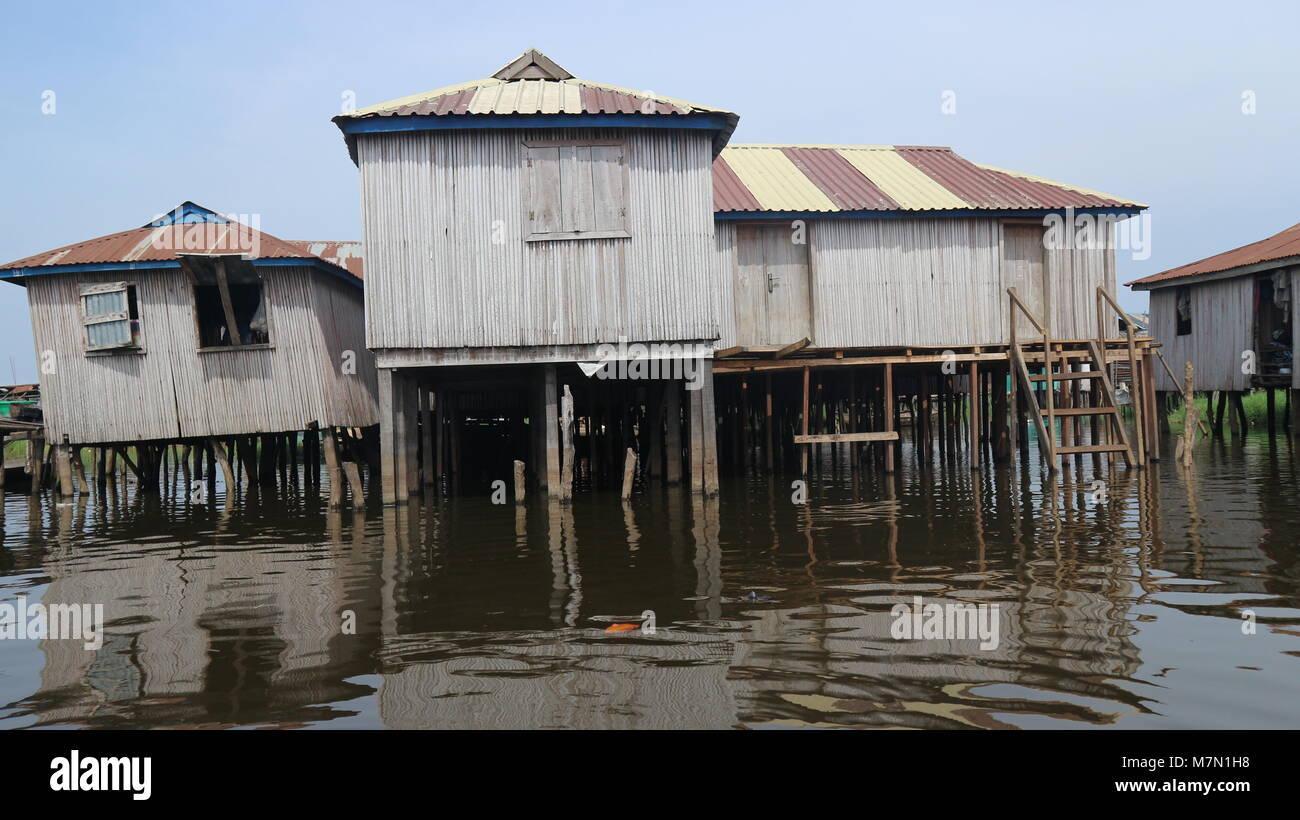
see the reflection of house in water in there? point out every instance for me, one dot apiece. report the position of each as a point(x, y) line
point(207, 633)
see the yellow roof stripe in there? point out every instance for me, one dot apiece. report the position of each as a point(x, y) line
point(906, 184)
point(775, 181)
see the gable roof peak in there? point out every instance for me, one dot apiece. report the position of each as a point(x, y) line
point(532, 65)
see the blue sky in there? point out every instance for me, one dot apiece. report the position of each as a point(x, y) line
point(229, 104)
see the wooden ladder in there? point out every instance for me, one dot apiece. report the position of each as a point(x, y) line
point(1114, 438)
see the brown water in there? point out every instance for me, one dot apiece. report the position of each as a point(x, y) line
point(1121, 612)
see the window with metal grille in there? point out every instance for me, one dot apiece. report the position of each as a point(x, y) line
point(111, 316)
point(575, 190)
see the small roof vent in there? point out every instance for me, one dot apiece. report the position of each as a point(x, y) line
point(532, 65)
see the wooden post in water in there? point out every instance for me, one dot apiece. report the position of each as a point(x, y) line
point(551, 402)
point(975, 423)
point(1190, 419)
point(803, 448)
point(710, 427)
point(889, 409)
point(332, 464)
point(219, 453)
point(566, 435)
point(673, 433)
point(1271, 404)
point(520, 483)
point(629, 473)
point(426, 435)
point(35, 460)
point(63, 461)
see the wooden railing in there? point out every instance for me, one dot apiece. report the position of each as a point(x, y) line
point(1046, 432)
point(1105, 299)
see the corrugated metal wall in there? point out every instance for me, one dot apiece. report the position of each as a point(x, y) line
point(171, 390)
point(446, 264)
point(1222, 321)
point(923, 282)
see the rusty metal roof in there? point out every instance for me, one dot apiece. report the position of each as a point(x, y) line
point(840, 178)
point(1281, 245)
point(188, 229)
point(533, 84)
point(344, 254)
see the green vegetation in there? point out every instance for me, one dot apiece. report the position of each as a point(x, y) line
point(1255, 402)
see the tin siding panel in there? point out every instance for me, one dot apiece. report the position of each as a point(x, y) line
point(447, 264)
point(172, 390)
point(1221, 330)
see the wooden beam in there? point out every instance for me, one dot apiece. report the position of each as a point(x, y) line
point(840, 438)
point(629, 473)
point(793, 347)
point(226, 304)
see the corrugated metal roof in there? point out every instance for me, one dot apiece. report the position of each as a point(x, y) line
point(1281, 245)
point(189, 229)
point(533, 84)
point(834, 178)
point(347, 255)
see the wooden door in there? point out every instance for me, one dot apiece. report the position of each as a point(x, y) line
point(1024, 268)
point(772, 289)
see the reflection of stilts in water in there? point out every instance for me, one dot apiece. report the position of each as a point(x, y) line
point(1194, 523)
point(891, 545)
point(566, 583)
point(708, 558)
point(629, 523)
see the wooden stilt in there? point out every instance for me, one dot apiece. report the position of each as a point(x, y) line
point(673, 433)
point(1234, 419)
point(550, 421)
point(63, 462)
point(222, 459)
point(332, 463)
point(387, 438)
point(427, 475)
point(566, 439)
point(696, 414)
point(709, 428)
point(803, 448)
point(975, 423)
point(1271, 405)
point(520, 483)
point(629, 473)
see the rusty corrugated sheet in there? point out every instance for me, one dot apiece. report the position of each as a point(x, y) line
point(1281, 245)
point(346, 255)
point(830, 178)
point(839, 180)
point(729, 193)
point(166, 242)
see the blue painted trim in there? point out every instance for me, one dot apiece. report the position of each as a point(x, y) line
point(433, 122)
point(187, 213)
point(1030, 213)
point(171, 264)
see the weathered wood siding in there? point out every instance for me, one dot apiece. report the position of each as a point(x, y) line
point(171, 390)
point(1222, 321)
point(447, 265)
point(924, 282)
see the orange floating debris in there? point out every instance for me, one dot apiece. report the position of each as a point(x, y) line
point(622, 627)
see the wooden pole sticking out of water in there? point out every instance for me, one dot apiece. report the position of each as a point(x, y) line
point(332, 464)
point(629, 473)
point(219, 453)
point(566, 433)
point(520, 484)
point(1190, 419)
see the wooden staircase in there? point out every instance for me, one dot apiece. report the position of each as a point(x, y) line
point(1068, 361)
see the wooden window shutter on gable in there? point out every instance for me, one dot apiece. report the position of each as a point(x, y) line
point(576, 191)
